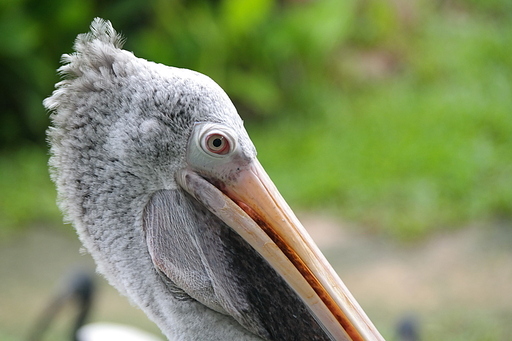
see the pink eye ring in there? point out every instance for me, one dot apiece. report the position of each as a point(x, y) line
point(217, 144)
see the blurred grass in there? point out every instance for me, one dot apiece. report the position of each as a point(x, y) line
point(395, 115)
point(28, 196)
point(425, 149)
point(405, 159)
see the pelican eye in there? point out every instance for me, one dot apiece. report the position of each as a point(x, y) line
point(217, 144)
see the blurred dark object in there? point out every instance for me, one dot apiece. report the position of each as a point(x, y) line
point(78, 288)
point(408, 328)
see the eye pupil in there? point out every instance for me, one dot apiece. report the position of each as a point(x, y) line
point(217, 142)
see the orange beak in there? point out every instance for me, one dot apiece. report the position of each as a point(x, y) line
point(252, 206)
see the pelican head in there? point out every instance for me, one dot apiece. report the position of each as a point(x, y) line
point(160, 179)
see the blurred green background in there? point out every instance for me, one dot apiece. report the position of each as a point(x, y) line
point(394, 115)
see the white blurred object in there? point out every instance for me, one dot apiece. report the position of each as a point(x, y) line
point(112, 332)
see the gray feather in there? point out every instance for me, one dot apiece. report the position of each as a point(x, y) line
point(119, 131)
point(214, 265)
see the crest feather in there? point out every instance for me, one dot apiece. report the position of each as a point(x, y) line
point(94, 56)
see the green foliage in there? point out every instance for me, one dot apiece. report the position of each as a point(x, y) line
point(394, 113)
point(260, 54)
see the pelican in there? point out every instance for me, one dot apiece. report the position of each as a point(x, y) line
point(156, 172)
